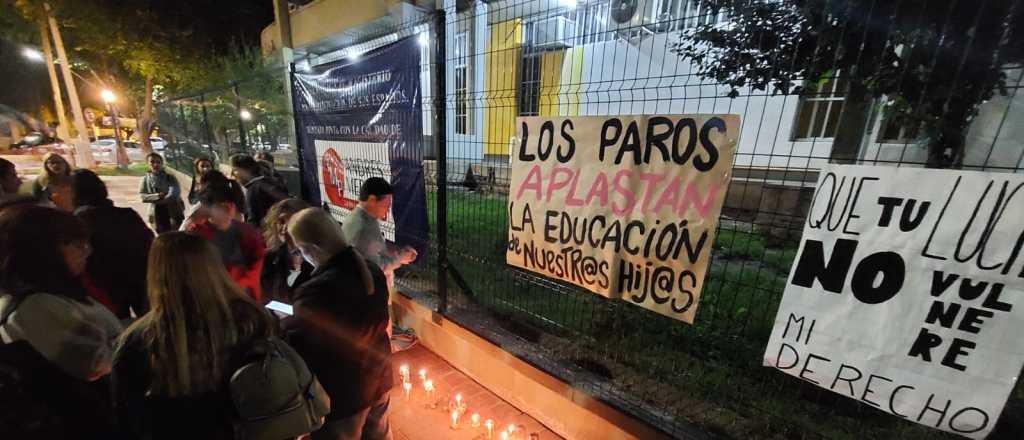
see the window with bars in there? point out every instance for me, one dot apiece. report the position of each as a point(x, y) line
point(819, 110)
point(461, 73)
point(529, 85)
point(672, 15)
point(592, 23)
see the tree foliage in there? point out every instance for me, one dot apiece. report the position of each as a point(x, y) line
point(934, 61)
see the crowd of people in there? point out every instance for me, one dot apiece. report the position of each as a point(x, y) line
point(118, 327)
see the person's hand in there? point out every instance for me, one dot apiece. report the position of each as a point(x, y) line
point(408, 255)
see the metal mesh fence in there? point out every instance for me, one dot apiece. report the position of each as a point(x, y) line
point(486, 63)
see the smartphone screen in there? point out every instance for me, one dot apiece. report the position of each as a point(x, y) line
point(280, 307)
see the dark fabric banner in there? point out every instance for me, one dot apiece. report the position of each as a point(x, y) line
point(362, 117)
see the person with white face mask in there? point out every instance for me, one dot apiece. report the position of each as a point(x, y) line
point(340, 327)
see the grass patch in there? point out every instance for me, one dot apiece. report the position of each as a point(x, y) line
point(134, 169)
point(708, 373)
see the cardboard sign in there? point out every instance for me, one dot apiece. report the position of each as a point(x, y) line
point(906, 293)
point(624, 206)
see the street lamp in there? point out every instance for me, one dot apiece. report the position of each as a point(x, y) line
point(109, 98)
point(32, 55)
point(245, 115)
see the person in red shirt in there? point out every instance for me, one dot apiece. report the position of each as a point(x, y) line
point(241, 245)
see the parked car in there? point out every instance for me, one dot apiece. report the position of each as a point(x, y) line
point(135, 153)
point(102, 149)
point(39, 143)
point(157, 143)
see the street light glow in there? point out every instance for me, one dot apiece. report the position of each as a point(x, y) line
point(245, 115)
point(107, 96)
point(423, 39)
point(32, 54)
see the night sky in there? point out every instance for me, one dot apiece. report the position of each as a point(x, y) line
point(215, 25)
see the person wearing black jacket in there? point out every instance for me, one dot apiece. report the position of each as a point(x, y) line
point(260, 192)
point(120, 243)
point(283, 268)
point(340, 329)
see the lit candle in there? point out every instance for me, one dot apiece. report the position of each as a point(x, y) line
point(504, 435)
point(408, 389)
point(428, 386)
point(511, 429)
point(490, 426)
point(458, 403)
point(475, 419)
point(423, 375)
point(455, 419)
point(404, 371)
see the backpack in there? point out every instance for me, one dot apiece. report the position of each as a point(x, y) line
point(274, 394)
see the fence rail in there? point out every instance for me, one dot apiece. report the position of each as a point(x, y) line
point(489, 62)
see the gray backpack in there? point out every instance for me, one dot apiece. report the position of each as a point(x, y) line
point(275, 396)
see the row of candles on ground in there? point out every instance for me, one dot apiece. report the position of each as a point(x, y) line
point(458, 407)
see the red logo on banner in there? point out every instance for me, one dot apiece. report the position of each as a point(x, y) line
point(334, 179)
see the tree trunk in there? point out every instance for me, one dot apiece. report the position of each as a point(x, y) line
point(852, 123)
point(146, 121)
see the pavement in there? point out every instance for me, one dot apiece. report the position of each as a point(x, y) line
point(420, 417)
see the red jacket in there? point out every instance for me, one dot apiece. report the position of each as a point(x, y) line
point(243, 258)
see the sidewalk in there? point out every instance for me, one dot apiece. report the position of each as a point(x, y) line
point(412, 419)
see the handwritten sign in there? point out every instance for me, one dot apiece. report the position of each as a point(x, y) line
point(625, 206)
point(906, 294)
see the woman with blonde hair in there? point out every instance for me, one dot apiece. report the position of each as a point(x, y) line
point(171, 369)
point(340, 328)
point(283, 267)
point(53, 165)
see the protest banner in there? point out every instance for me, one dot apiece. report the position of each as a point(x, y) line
point(904, 294)
point(362, 118)
point(624, 206)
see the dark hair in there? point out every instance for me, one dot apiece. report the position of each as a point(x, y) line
point(196, 161)
point(154, 154)
point(6, 166)
point(30, 256)
point(87, 188)
point(245, 162)
point(217, 179)
point(374, 186)
point(216, 194)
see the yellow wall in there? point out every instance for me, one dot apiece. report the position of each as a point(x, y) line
point(504, 50)
point(550, 82)
point(570, 101)
point(323, 18)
